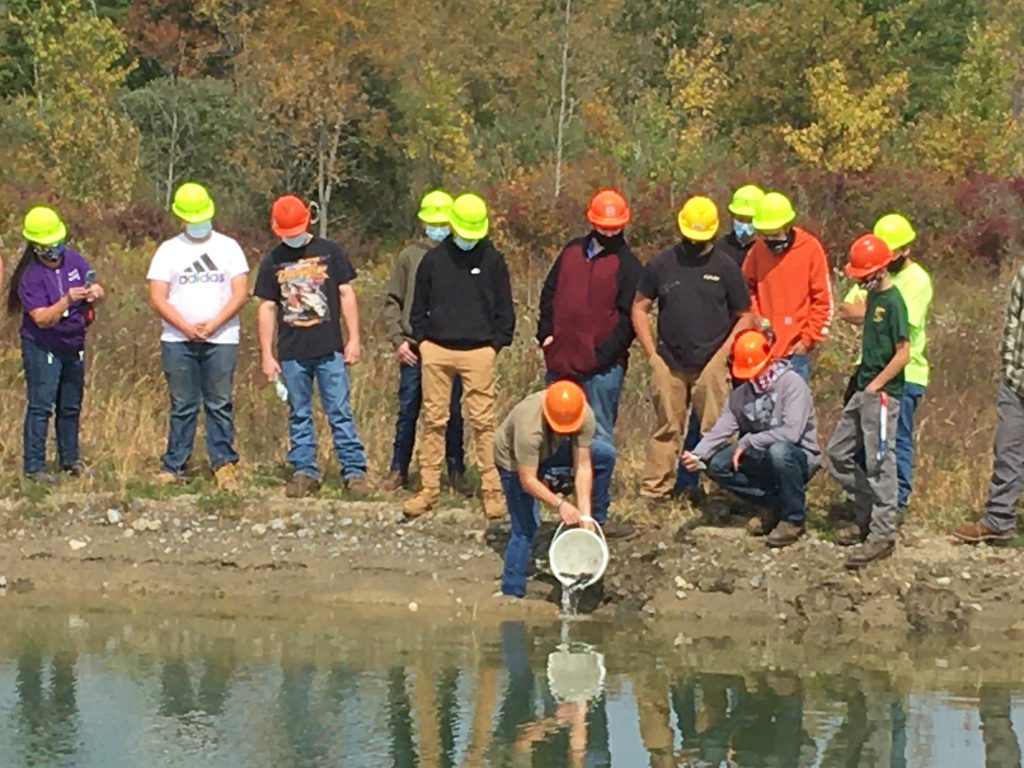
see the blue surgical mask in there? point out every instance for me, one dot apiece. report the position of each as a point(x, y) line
point(50, 253)
point(200, 229)
point(743, 230)
point(295, 242)
point(465, 245)
point(437, 233)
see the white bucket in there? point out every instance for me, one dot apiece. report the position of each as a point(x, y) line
point(575, 672)
point(578, 556)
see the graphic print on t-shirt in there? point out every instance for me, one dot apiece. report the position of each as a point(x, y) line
point(303, 299)
point(203, 270)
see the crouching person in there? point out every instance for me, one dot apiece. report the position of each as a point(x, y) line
point(776, 452)
point(553, 428)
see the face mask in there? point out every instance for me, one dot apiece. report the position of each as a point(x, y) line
point(295, 242)
point(200, 230)
point(610, 242)
point(743, 230)
point(437, 233)
point(871, 283)
point(778, 245)
point(465, 245)
point(51, 253)
point(897, 264)
point(693, 248)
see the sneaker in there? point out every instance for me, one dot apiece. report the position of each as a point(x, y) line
point(77, 469)
point(868, 552)
point(226, 477)
point(301, 485)
point(459, 484)
point(357, 486)
point(784, 534)
point(394, 481)
point(166, 477)
point(419, 504)
point(494, 505)
point(851, 536)
point(977, 532)
point(755, 526)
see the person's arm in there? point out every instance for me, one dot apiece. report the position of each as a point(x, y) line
point(750, 277)
point(545, 320)
point(394, 298)
point(49, 316)
point(797, 409)
point(642, 324)
point(854, 306)
point(622, 335)
point(819, 318)
point(420, 314)
point(234, 304)
point(896, 364)
point(266, 328)
point(504, 308)
point(722, 432)
point(350, 315)
point(1009, 347)
point(159, 292)
point(583, 470)
point(532, 484)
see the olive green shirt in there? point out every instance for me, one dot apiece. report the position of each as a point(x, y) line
point(400, 290)
point(524, 437)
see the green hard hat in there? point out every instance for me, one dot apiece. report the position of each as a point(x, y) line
point(745, 199)
point(774, 212)
point(43, 226)
point(468, 217)
point(435, 207)
point(895, 230)
point(192, 203)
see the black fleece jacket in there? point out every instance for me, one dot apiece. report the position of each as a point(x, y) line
point(463, 299)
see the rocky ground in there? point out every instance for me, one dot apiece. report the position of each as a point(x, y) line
point(271, 550)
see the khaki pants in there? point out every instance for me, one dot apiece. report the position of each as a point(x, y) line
point(476, 367)
point(674, 393)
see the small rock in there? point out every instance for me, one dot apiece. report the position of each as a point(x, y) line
point(259, 529)
point(77, 544)
point(129, 532)
point(413, 606)
point(3, 582)
point(346, 522)
point(277, 524)
point(680, 594)
point(302, 533)
point(757, 581)
point(943, 581)
point(113, 516)
point(679, 580)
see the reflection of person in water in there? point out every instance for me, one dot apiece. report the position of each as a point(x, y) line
point(48, 719)
point(1001, 745)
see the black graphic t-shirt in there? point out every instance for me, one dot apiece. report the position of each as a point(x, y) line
point(304, 283)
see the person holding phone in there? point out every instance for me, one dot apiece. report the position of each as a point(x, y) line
point(50, 289)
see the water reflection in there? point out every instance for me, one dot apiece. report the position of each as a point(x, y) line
point(512, 695)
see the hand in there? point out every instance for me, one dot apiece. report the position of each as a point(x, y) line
point(547, 342)
point(569, 513)
point(353, 352)
point(78, 293)
point(691, 461)
point(405, 354)
point(93, 293)
point(737, 455)
point(271, 368)
point(873, 388)
point(191, 331)
point(205, 329)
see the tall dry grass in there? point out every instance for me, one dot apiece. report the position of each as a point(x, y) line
point(124, 419)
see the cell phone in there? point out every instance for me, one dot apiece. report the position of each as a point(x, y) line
point(90, 278)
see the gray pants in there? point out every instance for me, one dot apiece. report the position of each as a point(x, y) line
point(1008, 467)
point(874, 491)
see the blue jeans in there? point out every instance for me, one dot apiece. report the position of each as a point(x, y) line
point(523, 509)
point(410, 400)
point(912, 393)
point(802, 365)
point(603, 391)
point(197, 371)
point(54, 382)
point(332, 379)
point(778, 475)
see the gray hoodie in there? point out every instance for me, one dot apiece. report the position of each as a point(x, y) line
point(784, 412)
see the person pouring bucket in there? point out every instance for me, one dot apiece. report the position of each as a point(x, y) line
point(776, 452)
point(551, 428)
point(55, 290)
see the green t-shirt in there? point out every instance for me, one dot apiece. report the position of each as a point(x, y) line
point(885, 326)
point(524, 437)
point(915, 285)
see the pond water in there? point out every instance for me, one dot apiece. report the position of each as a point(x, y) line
point(106, 689)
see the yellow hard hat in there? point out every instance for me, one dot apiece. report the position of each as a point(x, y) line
point(192, 203)
point(745, 199)
point(435, 207)
point(468, 217)
point(896, 230)
point(42, 226)
point(774, 212)
point(698, 219)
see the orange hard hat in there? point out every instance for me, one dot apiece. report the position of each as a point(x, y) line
point(751, 352)
point(564, 406)
point(289, 216)
point(608, 209)
point(868, 254)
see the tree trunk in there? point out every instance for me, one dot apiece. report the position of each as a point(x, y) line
point(562, 102)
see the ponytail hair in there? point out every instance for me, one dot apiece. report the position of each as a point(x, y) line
point(13, 298)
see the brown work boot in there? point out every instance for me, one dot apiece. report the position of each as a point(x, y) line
point(459, 484)
point(494, 505)
point(419, 504)
point(165, 477)
point(784, 534)
point(357, 486)
point(300, 486)
point(394, 481)
point(977, 532)
point(226, 477)
point(851, 536)
point(717, 511)
point(868, 552)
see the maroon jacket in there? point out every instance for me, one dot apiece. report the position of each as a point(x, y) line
point(585, 306)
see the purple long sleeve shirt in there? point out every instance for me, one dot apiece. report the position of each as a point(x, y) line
point(41, 287)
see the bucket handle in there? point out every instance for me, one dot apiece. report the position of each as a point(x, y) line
point(584, 519)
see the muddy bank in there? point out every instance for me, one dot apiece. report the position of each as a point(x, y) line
point(271, 553)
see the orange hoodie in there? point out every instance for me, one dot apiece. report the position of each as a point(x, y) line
point(792, 290)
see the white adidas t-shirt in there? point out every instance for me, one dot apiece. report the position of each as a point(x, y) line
point(199, 275)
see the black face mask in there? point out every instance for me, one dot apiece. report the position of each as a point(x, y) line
point(613, 243)
point(692, 248)
point(897, 265)
point(780, 245)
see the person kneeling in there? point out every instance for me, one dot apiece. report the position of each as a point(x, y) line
point(777, 451)
point(553, 428)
